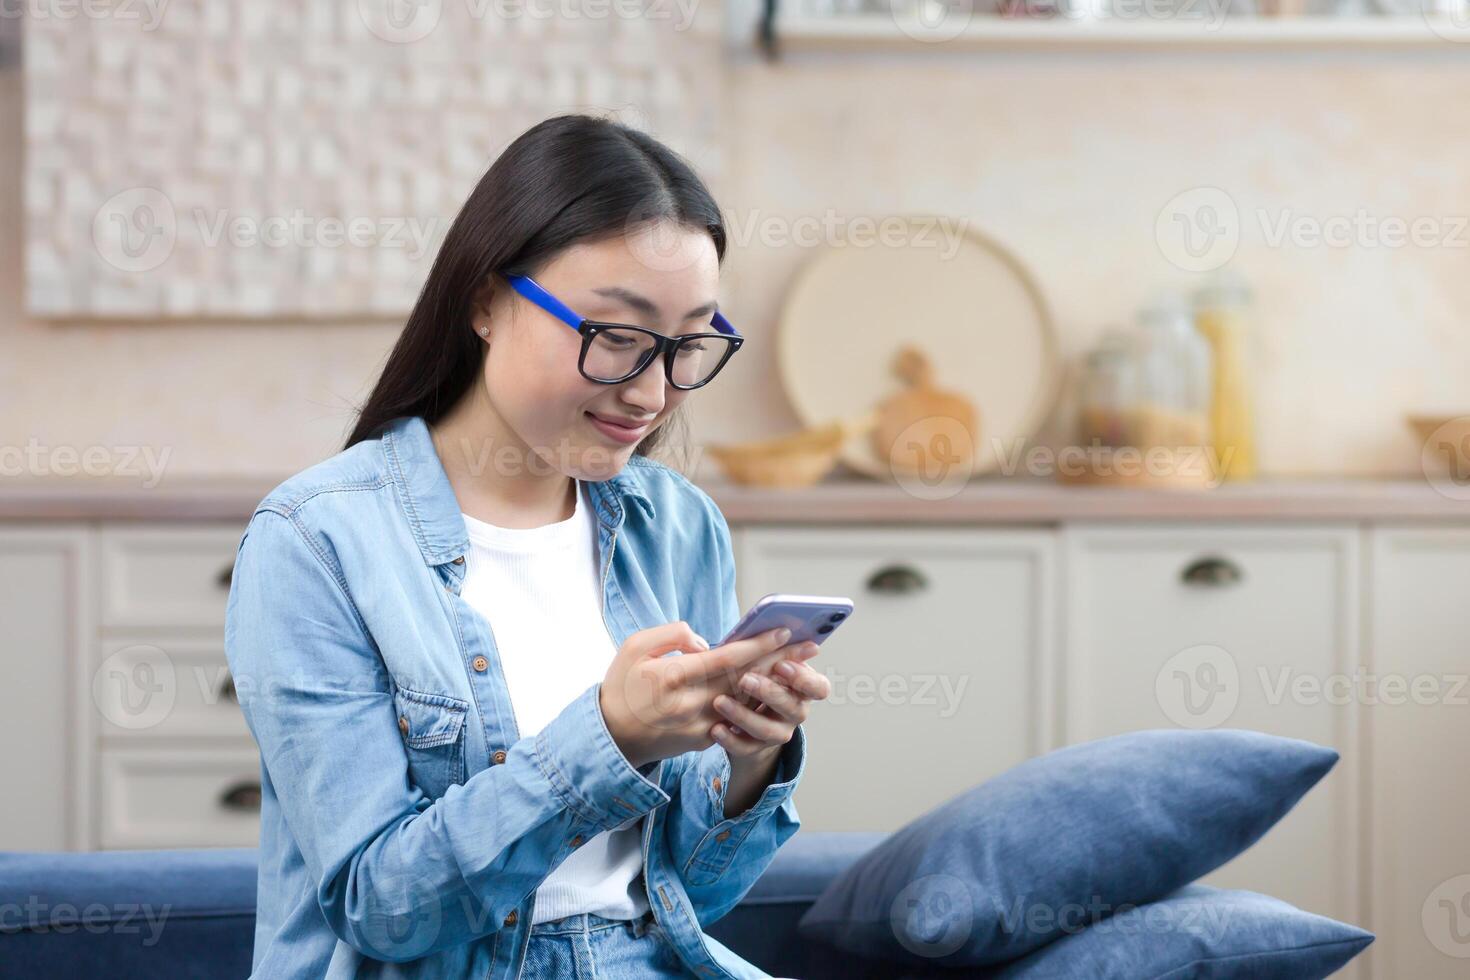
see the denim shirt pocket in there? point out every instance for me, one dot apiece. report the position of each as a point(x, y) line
point(432, 726)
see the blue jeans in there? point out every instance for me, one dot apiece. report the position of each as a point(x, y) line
point(587, 946)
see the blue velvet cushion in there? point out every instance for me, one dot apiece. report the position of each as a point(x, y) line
point(181, 914)
point(1061, 841)
point(1197, 933)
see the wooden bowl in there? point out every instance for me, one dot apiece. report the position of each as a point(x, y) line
point(797, 460)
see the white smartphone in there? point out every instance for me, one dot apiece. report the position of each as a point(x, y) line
point(809, 617)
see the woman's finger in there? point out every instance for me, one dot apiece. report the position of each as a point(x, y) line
point(734, 740)
point(804, 679)
point(779, 699)
point(763, 728)
point(727, 661)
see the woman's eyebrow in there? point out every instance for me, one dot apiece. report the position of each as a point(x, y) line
point(646, 306)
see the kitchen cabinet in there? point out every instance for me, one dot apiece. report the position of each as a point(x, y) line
point(167, 576)
point(155, 795)
point(45, 579)
point(131, 733)
point(989, 628)
point(1418, 658)
point(1228, 626)
point(940, 678)
point(169, 760)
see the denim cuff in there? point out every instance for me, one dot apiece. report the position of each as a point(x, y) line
point(589, 772)
point(790, 765)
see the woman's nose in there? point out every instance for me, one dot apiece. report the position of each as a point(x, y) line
point(647, 390)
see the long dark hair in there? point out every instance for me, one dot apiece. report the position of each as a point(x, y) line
point(570, 179)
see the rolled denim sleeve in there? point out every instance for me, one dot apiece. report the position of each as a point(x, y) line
point(398, 875)
point(720, 858)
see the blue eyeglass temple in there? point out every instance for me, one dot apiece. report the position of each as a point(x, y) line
point(537, 294)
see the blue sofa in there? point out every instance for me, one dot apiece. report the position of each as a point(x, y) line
point(191, 913)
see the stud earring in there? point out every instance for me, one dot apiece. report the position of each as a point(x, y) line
point(484, 331)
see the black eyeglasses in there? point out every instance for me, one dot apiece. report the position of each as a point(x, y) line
point(616, 352)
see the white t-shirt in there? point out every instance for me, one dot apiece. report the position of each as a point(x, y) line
point(540, 589)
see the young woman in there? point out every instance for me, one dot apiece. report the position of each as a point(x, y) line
point(471, 646)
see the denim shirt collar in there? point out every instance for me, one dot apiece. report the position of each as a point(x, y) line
point(433, 509)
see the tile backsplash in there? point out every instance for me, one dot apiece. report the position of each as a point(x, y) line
point(274, 158)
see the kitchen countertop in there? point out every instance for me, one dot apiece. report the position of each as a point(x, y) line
point(858, 500)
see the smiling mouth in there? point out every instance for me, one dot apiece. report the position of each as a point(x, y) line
point(621, 423)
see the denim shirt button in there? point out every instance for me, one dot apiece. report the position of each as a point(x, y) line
point(480, 663)
point(717, 784)
point(510, 920)
point(722, 835)
point(403, 724)
point(459, 560)
point(499, 756)
point(576, 841)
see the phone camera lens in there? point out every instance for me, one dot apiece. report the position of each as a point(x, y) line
point(824, 629)
point(837, 617)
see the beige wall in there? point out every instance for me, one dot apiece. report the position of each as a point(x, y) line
point(1067, 158)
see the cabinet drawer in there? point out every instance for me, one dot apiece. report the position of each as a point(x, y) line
point(939, 679)
point(157, 797)
point(1228, 626)
point(165, 687)
point(161, 576)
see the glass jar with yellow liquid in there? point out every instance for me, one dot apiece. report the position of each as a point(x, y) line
point(1221, 315)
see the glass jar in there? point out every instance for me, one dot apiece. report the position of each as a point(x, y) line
point(1221, 313)
point(1106, 392)
point(1172, 380)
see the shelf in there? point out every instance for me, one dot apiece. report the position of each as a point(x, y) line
point(884, 31)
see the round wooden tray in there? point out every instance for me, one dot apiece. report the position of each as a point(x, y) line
point(942, 287)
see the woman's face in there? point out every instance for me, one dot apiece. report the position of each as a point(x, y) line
point(663, 277)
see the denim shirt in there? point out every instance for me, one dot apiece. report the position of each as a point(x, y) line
point(405, 822)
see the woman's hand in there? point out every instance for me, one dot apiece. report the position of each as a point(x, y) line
point(781, 698)
point(657, 706)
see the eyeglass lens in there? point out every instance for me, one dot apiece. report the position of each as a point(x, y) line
point(613, 354)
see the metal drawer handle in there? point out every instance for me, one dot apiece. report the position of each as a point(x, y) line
point(897, 580)
point(225, 576)
point(227, 690)
point(242, 796)
point(1212, 571)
